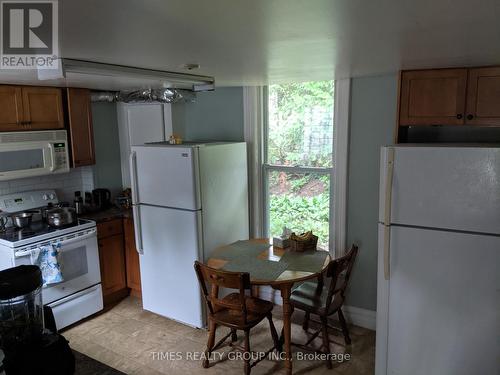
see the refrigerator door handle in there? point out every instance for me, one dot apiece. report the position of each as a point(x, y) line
point(135, 207)
point(137, 228)
point(387, 252)
point(388, 186)
point(133, 175)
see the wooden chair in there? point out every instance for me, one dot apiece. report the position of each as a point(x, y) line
point(325, 298)
point(237, 311)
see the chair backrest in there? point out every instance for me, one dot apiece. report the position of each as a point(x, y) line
point(339, 271)
point(223, 279)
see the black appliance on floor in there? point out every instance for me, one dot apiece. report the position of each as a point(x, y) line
point(28, 347)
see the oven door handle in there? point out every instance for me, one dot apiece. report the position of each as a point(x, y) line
point(63, 243)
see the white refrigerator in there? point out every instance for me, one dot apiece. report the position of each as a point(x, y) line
point(438, 301)
point(187, 200)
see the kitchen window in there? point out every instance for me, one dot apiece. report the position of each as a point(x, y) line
point(298, 159)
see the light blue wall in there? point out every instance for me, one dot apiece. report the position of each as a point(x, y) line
point(214, 116)
point(372, 124)
point(107, 171)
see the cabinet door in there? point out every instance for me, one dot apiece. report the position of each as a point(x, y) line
point(132, 258)
point(43, 107)
point(11, 104)
point(433, 97)
point(483, 97)
point(80, 127)
point(112, 261)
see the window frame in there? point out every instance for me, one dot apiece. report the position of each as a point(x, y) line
point(254, 118)
point(266, 168)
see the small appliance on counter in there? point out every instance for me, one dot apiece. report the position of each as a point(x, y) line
point(124, 200)
point(101, 198)
point(78, 203)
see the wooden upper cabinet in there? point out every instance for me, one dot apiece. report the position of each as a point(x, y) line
point(80, 127)
point(43, 107)
point(429, 97)
point(11, 108)
point(483, 97)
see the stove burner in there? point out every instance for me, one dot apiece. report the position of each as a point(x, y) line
point(37, 228)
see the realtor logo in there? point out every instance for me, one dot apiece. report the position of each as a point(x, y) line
point(29, 35)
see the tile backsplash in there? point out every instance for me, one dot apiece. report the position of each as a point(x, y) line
point(65, 184)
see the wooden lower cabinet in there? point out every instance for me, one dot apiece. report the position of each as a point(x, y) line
point(112, 261)
point(132, 259)
point(119, 261)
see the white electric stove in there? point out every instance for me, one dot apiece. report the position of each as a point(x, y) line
point(80, 294)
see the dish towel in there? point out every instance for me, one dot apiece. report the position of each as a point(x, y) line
point(46, 257)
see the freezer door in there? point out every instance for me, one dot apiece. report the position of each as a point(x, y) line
point(442, 304)
point(166, 176)
point(171, 244)
point(454, 188)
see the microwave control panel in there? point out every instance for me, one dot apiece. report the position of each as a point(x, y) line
point(61, 155)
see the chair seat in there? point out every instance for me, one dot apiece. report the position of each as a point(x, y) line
point(257, 310)
point(306, 297)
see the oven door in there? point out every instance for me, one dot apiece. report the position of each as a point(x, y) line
point(79, 260)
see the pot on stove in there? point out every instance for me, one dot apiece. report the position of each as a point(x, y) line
point(22, 219)
point(60, 217)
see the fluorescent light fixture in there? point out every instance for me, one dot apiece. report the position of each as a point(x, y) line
point(192, 82)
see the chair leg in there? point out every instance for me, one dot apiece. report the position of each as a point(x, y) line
point(343, 324)
point(234, 336)
point(210, 344)
point(274, 334)
point(247, 350)
point(326, 340)
point(305, 323)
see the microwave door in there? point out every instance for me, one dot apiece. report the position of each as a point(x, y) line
point(26, 161)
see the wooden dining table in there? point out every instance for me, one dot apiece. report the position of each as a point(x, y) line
point(272, 266)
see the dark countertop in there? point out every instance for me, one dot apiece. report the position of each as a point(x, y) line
point(107, 215)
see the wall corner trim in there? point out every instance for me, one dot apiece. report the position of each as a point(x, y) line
point(341, 149)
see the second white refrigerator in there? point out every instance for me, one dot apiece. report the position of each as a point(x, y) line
point(439, 252)
point(187, 200)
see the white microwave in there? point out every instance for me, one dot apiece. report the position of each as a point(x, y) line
point(37, 153)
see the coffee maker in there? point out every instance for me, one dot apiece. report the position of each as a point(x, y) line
point(101, 198)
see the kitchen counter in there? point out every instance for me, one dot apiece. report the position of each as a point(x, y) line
point(107, 215)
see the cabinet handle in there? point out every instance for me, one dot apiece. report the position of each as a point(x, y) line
point(470, 117)
point(459, 116)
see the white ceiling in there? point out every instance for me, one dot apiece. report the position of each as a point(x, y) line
point(248, 42)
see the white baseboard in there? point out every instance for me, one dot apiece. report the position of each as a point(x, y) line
point(354, 315)
point(360, 317)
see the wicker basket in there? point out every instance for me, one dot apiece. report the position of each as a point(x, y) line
point(301, 246)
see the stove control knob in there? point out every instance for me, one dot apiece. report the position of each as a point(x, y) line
point(45, 197)
point(52, 196)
